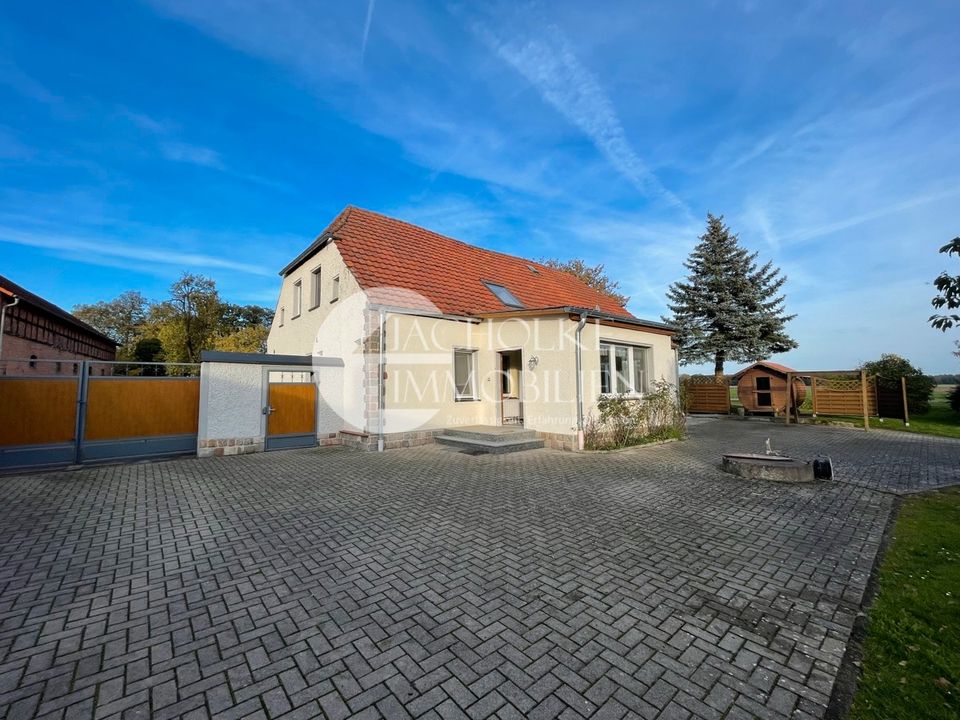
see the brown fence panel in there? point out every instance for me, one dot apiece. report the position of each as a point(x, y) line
point(141, 407)
point(843, 397)
point(37, 411)
point(707, 396)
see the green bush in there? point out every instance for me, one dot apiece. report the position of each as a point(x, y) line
point(890, 368)
point(954, 399)
point(626, 421)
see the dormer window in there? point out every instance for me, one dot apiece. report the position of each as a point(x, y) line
point(503, 295)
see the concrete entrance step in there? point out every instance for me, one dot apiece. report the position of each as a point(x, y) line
point(490, 439)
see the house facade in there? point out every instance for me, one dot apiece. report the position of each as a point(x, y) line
point(438, 334)
point(39, 338)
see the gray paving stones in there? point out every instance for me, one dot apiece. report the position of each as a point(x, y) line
point(429, 584)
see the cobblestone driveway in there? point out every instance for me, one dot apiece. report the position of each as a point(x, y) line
point(430, 583)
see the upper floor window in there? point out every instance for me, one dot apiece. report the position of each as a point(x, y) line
point(297, 297)
point(335, 289)
point(283, 312)
point(624, 369)
point(314, 288)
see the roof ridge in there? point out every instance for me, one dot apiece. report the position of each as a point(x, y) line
point(453, 239)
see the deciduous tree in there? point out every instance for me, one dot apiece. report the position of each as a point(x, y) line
point(592, 275)
point(119, 319)
point(948, 292)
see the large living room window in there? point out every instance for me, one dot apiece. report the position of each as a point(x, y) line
point(465, 374)
point(624, 369)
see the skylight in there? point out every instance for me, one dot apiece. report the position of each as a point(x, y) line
point(503, 295)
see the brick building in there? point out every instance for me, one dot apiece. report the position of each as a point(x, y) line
point(35, 330)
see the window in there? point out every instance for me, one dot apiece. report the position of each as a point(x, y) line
point(283, 312)
point(335, 289)
point(315, 288)
point(464, 374)
point(624, 369)
point(297, 297)
point(33, 362)
point(503, 295)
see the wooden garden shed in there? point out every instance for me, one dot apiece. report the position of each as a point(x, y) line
point(762, 387)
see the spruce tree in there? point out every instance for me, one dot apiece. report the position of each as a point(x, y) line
point(729, 307)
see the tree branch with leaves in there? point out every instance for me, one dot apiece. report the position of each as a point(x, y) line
point(948, 292)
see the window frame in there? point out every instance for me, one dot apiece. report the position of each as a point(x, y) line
point(472, 354)
point(508, 299)
point(316, 289)
point(297, 299)
point(283, 312)
point(646, 352)
point(335, 288)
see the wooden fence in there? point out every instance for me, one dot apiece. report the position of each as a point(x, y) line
point(707, 394)
point(843, 396)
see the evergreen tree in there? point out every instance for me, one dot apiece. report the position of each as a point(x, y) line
point(729, 307)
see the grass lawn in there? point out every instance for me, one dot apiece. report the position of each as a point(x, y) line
point(939, 420)
point(911, 664)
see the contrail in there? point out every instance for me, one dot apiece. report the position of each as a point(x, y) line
point(366, 29)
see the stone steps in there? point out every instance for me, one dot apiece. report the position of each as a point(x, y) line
point(493, 440)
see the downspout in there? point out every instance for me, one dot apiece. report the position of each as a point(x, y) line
point(3, 319)
point(580, 326)
point(381, 365)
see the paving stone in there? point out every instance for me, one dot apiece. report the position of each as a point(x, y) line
point(428, 583)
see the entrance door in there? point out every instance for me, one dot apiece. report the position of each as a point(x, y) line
point(764, 395)
point(291, 410)
point(511, 404)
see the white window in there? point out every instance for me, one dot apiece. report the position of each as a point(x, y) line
point(335, 289)
point(624, 369)
point(465, 374)
point(315, 288)
point(297, 297)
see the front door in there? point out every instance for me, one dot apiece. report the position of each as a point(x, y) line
point(511, 403)
point(291, 410)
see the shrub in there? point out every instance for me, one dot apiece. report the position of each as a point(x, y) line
point(626, 421)
point(890, 368)
point(954, 399)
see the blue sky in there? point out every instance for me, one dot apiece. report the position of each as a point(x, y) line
point(140, 140)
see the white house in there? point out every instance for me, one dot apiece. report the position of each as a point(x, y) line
point(437, 334)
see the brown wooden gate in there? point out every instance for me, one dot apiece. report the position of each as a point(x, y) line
point(56, 420)
point(291, 414)
point(140, 417)
point(38, 421)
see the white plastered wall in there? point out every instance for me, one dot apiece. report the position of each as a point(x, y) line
point(664, 362)
point(333, 328)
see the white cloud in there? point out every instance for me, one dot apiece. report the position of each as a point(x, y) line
point(553, 69)
point(193, 154)
point(98, 250)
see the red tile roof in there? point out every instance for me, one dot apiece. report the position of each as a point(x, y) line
point(383, 252)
